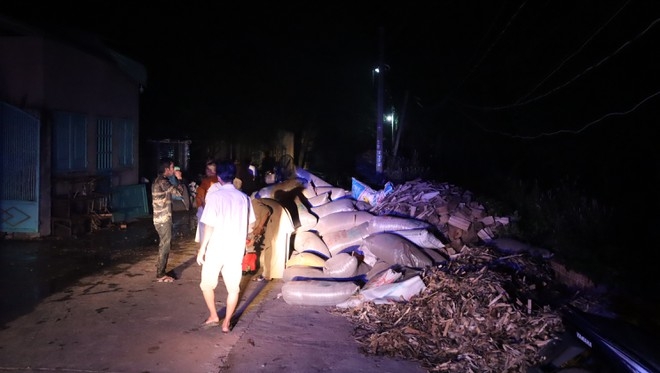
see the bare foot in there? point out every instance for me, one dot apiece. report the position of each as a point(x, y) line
point(208, 325)
point(211, 320)
point(225, 328)
point(165, 279)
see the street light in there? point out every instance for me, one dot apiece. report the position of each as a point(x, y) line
point(390, 119)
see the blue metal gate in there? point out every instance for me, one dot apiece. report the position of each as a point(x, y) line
point(19, 170)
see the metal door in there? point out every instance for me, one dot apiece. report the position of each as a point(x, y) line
point(19, 170)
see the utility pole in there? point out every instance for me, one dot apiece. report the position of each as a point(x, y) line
point(379, 106)
point(401, 123)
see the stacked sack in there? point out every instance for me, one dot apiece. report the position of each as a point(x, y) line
point(343, 253)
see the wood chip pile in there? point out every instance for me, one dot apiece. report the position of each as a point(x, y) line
point(481, 312)
point(452, 210)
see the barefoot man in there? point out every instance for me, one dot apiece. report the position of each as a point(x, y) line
point(227, 218)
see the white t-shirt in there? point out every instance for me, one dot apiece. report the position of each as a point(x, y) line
point(229, 212)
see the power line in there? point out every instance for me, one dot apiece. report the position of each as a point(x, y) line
point(601, 28)
point(492, 45)
point(562, 131)
point(490, 48)
point(587, 70)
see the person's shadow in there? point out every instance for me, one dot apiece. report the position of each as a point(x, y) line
point(287, 198)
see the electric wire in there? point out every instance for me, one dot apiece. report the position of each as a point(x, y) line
point(572, 80)
point(562, 131)
point(492, 45)
point(598, 31)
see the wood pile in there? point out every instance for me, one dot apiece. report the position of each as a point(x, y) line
point(480, 312)
point(466, 320)
point(452, 210)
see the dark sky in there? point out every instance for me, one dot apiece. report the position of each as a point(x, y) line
point(486, 75)
point(479, 55)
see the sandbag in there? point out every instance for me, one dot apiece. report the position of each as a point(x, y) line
point(341, 265)
point(310, 192)
point(363, 269)
point(393, 249)
point(341, 220)
point(286, 185)
point(394, 292)
point(387, 276)
point(310, 241)
point(437, 256)
point(342, 204)
point(317, 292)
point(338, 241)
point(377, 268)
point(306, 219)
point(319, 200)
point(282, 224)
point(305, 259)
point(385, 223)
point(335, 192)
point(421, 237)
point(311, 178)
point(296, 272)
point(362, 206)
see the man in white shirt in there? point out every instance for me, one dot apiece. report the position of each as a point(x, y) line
point(228, 218)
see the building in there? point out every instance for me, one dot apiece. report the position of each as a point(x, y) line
point(69, 125)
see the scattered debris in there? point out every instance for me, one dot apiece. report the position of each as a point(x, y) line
point(485, 310)
point(481, 313)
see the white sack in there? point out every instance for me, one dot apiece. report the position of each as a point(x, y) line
point(436, 256)
point(341, 266)
point(305, 259)
point(286, 186)
point(341, 240)
point(394, 292)
point(377, 268)
point(421, 237)
point(341, 220)
point(335, 192)
point(311, 242)
point(317, 292)
point(306, 272)
point(362, 206)
point(306, 219)
point(393, 249)
point(384, 223)
point(363, 269)
point(387, 276)
point(319, 200)
point(311, 178)
point(342, 204)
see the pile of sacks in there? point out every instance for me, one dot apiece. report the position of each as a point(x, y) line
point(344, 253)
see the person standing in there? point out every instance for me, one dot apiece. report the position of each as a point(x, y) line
point(208, 180)
point(162, 191)
point(262, 237)
point(180, 206)
point(228, 219)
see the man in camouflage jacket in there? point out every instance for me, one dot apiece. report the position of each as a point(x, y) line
point(161, 192)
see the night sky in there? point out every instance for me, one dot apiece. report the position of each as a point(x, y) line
point(537, 89)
